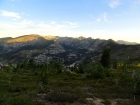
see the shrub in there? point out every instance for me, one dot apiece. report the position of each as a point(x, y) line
point(106, 102)
point(61, 97)
point(136, 82)
point(97, 71)
point(22, 100)
point(3, 97)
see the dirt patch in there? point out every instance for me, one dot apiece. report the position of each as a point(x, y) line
point(96, 101)
point(99, 101)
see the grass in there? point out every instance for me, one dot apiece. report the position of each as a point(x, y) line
point(106, 102)
point(22, 88)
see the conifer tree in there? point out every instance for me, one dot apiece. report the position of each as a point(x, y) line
point(105, 58)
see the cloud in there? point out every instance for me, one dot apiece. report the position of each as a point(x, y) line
point(64, 29)
point(98, 20)
point(8, 27)
point(53, 22)
point(43, 28)
point(50, 25)
point(101, 17)
point(91, 16)
point(26, 22)
point(44, 25)
point(53, 25)
point(137, 2)
point(71, 24)
point(14, 19)
point(10, 14)
point(114, 3)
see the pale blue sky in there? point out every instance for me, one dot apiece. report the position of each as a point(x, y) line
point(104, 19)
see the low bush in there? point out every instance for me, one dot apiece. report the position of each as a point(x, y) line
point(21, 100)
point(96, 71)
point(61, 97)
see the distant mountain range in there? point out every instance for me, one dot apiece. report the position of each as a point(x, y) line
point(67, 49)
point(126, 42)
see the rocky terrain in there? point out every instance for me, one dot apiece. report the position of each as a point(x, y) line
point(67, 49)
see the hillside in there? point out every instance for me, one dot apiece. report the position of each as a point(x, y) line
point(89, 83)
point(67, 49)
point(126, 42)
point(30, 83)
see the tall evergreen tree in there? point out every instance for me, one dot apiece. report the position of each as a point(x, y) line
point(105, 58)
point(24, 65)
point(80, 68)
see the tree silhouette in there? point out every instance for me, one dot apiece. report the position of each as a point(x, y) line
point(105, 58)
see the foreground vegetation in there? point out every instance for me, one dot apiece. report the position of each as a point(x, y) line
point(30, 83)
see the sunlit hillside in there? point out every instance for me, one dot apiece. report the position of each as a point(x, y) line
point(51, 37)
point(25, 38)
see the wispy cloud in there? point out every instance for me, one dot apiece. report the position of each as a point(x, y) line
point(54, 25)
point(114, 3)
point(98, 20)
point(8, 27)
point(44, 25)
point(10, 14)
point(26, 22)
point(71, 24)
point(102, 17)
point(40, 27)
point(91, 16)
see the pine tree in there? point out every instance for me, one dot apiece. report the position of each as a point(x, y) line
point(105, 58)
point(25, 64)
point(80, 68)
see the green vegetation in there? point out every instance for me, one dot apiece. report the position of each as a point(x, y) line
point(105, 58)
point(30, 83)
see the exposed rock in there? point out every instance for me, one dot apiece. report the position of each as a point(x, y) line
point(67, 49)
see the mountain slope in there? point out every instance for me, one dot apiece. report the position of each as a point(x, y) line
point(66, 49)
point(126, 42)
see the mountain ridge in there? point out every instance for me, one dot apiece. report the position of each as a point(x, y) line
point(26, 38)
point(66, 49)
point(126, 42)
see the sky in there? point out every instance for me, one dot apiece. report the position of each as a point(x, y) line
point(104, 19)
